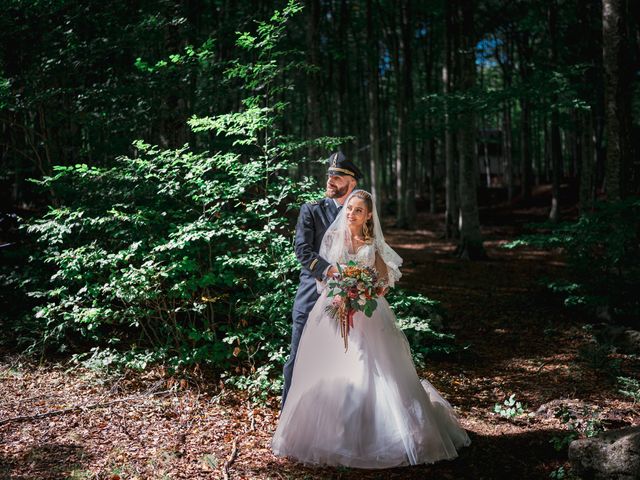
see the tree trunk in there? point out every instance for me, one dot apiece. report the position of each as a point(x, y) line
point(431, 154)
point(313, 103)
point(537, 151)
point(506, 65)
point(525, 147)
point(451, 173)
point(401, 154)
point(410, 144)
point(525, 53)
point(470, 246)
point(372, 96)
point(432, 173)
point(342, 107)
point(574, 143)
point(507, 150)
point(556, 143)
point(587, 161)
point(618, 82)
point(556, 160)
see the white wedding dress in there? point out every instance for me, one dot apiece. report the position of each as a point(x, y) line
point(365, 408)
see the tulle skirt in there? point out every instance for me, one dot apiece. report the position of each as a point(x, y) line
point(365, 408)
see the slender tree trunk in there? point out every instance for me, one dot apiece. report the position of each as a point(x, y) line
point(546, 148)
point(591, 159)
point(574, 144)
point(429, 61)
point(470, 246)
point(410, 178)
point(525, 53)
point(401, 154)
point(525, 147)
point(507, 149)
point(587, 161)
point(451, 173)
point(342, 110)
point(372, 96)
point(432, 174)
point(313, 102)
point(504, 57)
point(618, 82)
point(556, 142)
point(537, 151)
point(556, 160)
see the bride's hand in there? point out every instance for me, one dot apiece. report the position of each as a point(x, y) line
point(382, 291)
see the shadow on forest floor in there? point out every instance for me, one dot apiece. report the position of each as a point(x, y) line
point(488, 457)
point(520, 338)
point(48, 460)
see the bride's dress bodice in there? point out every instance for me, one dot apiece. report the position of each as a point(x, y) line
point(365, 255)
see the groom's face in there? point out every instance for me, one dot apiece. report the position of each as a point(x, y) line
point(339, 186)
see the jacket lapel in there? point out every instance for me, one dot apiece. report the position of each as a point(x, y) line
point(329, 211)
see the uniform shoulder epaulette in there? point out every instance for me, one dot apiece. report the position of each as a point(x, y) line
point(316, 202)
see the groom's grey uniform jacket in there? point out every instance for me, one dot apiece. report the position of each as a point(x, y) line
point(313, 221)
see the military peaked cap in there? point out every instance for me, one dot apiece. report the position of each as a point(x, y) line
point(340, 165)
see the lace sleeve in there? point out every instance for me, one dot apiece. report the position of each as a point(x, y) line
point(391, 261)
point(381, 268)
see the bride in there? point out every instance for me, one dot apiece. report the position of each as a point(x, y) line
point(364, 407)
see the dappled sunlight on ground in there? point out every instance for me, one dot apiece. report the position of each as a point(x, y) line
point(519, 340)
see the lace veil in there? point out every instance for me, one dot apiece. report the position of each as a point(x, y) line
point(336, 243)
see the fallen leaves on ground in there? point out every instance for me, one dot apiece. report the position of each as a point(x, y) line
point(520, 341)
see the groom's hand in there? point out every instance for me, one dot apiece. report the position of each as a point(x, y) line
point(332, 271)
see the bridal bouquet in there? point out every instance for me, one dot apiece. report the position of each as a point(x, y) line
point(353, 290)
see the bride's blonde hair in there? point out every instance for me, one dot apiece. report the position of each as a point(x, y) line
point(367, 228)
point(336, 242)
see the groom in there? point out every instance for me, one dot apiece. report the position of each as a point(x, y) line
point(313, 221)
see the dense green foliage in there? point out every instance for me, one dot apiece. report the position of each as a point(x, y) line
point(602, 248)
point(173, 254)
point(80, 81)
point(185, 257)
point(420, 318)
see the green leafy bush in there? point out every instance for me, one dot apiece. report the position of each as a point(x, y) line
point(602, 248)
point(588, 425)
point(629, 387)
point(420, 318)
point(178, 255)
point(186, 257)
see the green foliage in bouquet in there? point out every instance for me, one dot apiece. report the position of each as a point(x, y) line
point(602, 248)
point(180, 256)
point(360, 282)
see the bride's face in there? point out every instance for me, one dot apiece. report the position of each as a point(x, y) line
point(357, 212)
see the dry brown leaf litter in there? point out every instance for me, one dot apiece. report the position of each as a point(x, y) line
point(148, 426)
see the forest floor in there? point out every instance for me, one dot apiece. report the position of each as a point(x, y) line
point(520, 340)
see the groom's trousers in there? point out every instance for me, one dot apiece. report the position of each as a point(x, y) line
point(313, 221)
point(299, 320)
